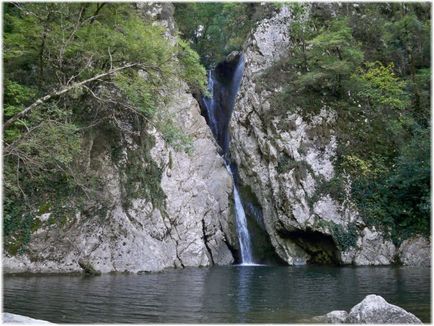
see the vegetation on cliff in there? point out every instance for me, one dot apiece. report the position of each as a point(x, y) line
point(71, 69)
point(216, 29)
point(370, 63)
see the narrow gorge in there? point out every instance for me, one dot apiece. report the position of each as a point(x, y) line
point(223, 84)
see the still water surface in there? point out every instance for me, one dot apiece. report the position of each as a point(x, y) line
point(234, 294)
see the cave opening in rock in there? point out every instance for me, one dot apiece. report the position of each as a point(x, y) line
point(320, 247)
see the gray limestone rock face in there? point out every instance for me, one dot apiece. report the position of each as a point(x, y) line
point(415, 251)
point(191, 227)
point(285, 159)
point(375, 310)
point(164, 206)
point(374, 249)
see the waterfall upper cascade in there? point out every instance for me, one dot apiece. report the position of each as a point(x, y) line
point(223, 84)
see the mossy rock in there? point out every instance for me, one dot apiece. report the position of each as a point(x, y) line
point(87, 267)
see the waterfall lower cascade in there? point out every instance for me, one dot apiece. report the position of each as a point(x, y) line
point(223, 84)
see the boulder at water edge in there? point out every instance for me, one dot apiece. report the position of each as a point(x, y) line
point(415, 251)
point(372, 310)
point(375, 310)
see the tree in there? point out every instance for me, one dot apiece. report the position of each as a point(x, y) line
point(332, 56)
point(72, 69)
point(371, 64)
point(215, 29)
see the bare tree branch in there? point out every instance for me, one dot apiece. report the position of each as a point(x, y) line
point(63, 91)
point(98, 8)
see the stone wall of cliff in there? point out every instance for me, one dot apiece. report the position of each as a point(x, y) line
point(287, 161)
point(163, 206)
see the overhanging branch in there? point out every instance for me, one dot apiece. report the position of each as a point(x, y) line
point(63, 91)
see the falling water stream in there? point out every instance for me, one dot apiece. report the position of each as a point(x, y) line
point(223, 85)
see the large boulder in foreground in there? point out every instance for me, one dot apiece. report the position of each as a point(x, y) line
point(375, 310)
point(372, 310)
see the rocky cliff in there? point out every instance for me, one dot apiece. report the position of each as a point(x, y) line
point(163, 206)
point(288, 162)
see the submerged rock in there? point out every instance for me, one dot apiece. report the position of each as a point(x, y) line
point(9, 318)
point(372, 310)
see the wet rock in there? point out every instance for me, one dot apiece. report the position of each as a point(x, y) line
point(415, 251)
point(233, 56)
point(87, 267)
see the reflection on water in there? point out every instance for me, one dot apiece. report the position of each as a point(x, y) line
point(244, 281)
point(235, 294)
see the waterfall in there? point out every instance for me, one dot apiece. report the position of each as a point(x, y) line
point(223, 85)
point(242, 231)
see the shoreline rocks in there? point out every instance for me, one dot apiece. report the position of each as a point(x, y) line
point(373, 309)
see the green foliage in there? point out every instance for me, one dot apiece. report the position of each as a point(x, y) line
point(137, 91)
point(51, 46)
point(192, 71)
point(142, 176)
point(354, 165)
point(335, 187)
point(396, 196)
point(344, 237)
point(299, 168)
point(175, 136)
point(15, 97)
point(215, 29)
point(331, 58)
point(380, 86)
point(371, 64)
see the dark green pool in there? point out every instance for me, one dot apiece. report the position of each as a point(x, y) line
point(233, 294)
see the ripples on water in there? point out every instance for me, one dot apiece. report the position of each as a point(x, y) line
point(235, 294)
